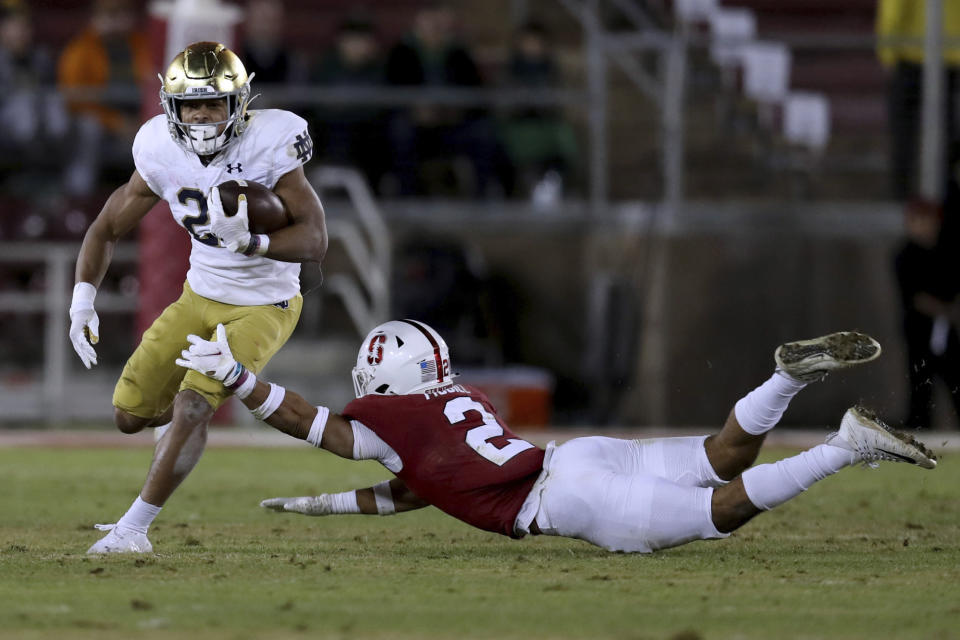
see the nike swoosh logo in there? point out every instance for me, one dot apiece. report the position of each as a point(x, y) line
point(898, 456)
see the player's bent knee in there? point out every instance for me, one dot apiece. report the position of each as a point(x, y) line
point(129, 423)
point(192, 407)
point(731, 508)
point(730, 460)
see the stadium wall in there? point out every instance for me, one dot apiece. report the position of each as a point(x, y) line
point(715, 289)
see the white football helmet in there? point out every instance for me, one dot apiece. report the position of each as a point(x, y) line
point(401, 357)
point(201, 71)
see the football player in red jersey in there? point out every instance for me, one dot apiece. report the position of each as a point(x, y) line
point(447, 447)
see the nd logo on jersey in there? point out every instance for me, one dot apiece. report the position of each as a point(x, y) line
point(303, 147)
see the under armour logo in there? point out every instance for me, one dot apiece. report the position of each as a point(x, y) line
point(303, 146)
point(238, 168)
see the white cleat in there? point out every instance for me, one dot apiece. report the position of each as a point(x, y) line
point(120, 541)
point(862, 432)
point(811, 360)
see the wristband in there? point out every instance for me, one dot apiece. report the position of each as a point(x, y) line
point(232, 379)
point(315, 437)
point(271, 404)
point(84, 294)
point(345, 502)
point(384, 498)
point(259, 243)
point(244, 384)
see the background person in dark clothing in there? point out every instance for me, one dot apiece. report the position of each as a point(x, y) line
point(539, 142)
point(264, 50)
point(929, 284)
point(33, 112)
point(431, 56)
point(352, 134)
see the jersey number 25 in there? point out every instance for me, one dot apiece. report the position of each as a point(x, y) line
point(477, 438)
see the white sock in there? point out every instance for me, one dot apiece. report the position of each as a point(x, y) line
point(139, 516)
point(761, 409)
point(768, 485)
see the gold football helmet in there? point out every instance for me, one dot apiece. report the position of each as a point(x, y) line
point(202, 71)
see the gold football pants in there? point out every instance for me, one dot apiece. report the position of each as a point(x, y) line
point(151, 377)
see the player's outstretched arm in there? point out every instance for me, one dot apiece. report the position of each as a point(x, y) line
point(122, 211)
point(306, 239)
point(285, 410)
point(290, 413)
point(385, 498)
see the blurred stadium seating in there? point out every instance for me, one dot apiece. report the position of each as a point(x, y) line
point(644, 308)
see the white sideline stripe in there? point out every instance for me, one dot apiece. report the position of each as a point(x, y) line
point(255, 437)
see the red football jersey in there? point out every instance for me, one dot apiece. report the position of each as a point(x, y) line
point(457, 454)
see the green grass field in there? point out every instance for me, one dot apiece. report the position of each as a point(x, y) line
point(864, 554)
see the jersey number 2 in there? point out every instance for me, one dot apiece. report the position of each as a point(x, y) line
point(477, 438)
point(191, 222)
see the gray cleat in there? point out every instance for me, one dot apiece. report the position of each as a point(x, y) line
point(811, 360)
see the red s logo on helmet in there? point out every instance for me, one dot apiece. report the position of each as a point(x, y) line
point(375, 349)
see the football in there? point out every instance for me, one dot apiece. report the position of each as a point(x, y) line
point(264, 209)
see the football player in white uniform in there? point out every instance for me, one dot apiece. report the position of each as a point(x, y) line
point(447, 447)
point(249, 283)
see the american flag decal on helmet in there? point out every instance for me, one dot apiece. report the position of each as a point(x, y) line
point(428, 371)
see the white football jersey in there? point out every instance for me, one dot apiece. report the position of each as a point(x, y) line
point(274, 143)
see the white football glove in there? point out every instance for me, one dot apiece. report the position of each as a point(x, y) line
point(211, 358)
point(320, 505)
point(84, 323)
point(233, 231)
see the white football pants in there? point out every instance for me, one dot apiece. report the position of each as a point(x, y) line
point(628, 495)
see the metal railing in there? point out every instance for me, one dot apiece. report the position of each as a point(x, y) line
point(366, 241)
point(53, 302)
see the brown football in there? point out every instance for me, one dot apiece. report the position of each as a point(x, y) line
point(264, 209)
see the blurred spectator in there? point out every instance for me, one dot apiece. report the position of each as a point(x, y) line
point(110, 54)
point(264, 50)
point(352, 135)
point(926, 269)
point(901, 25)
point(444, 283)
point(431, 56)
point(33, 113)
point(541, 146)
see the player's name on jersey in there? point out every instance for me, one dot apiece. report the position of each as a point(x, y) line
point(442, 391)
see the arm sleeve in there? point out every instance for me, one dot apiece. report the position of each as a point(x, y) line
point(367, 445)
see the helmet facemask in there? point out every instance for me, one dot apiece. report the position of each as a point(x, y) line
point(206, 71)
point(361, 379)
point(203, 138)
